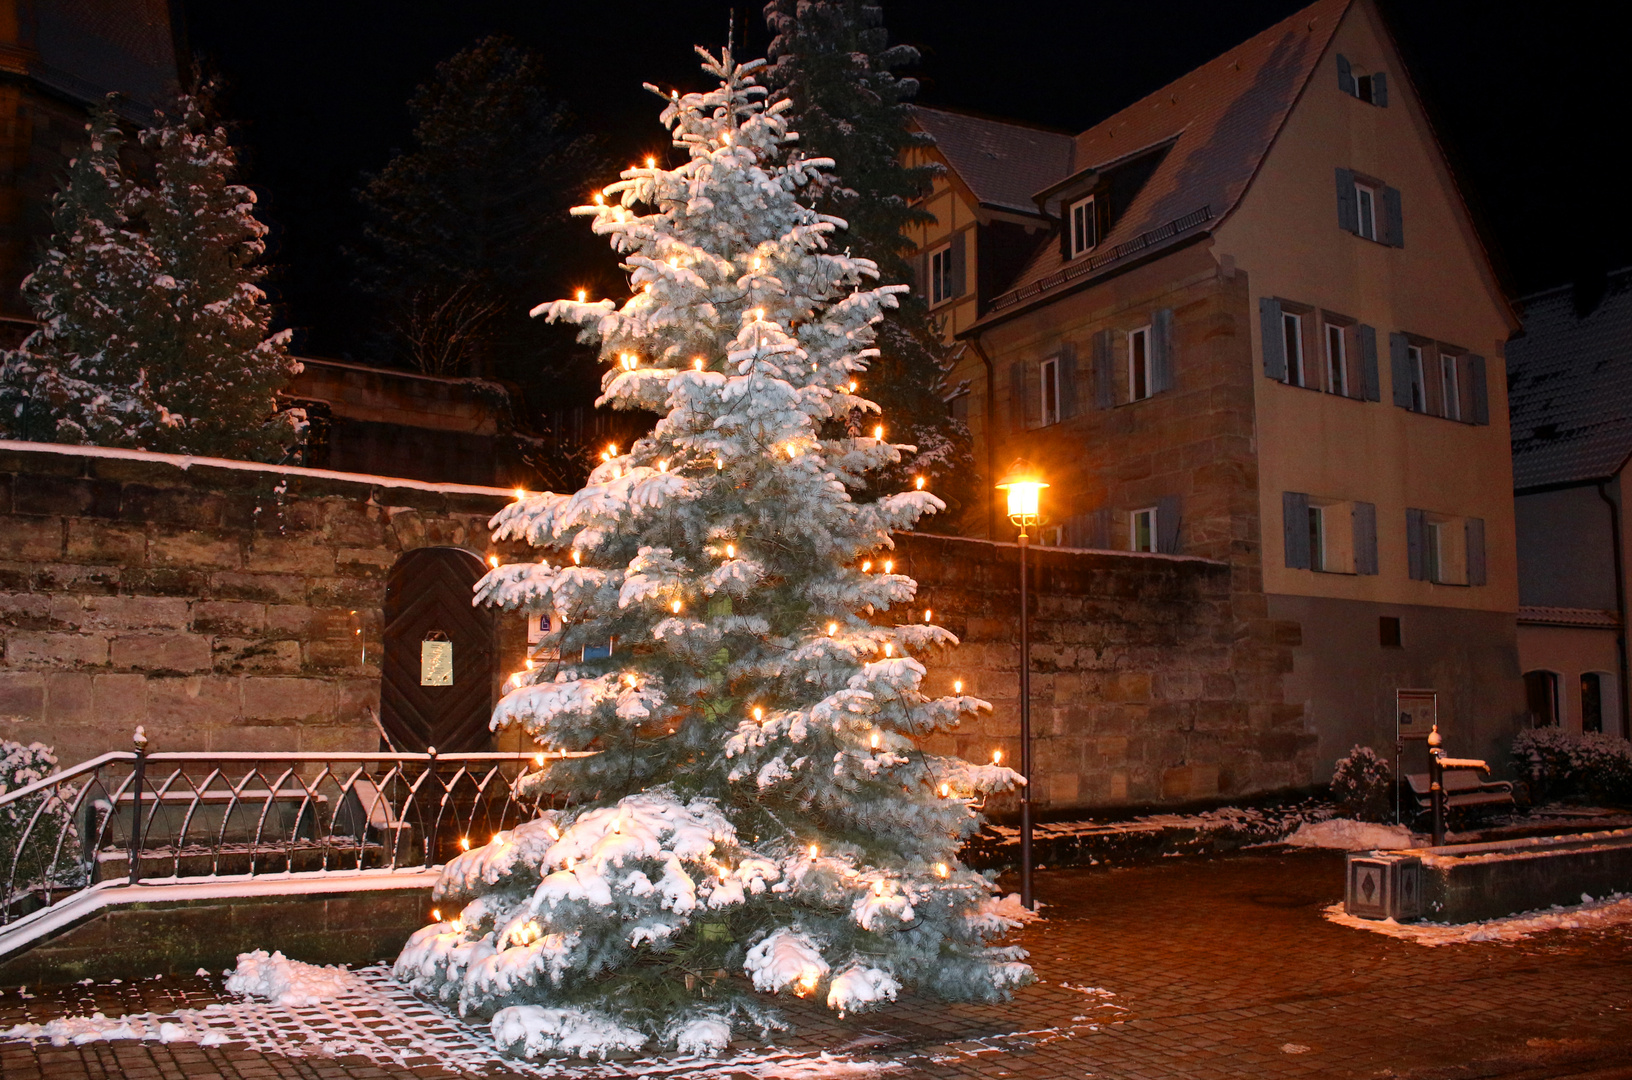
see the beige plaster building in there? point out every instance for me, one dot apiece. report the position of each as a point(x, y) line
point(1250, 318)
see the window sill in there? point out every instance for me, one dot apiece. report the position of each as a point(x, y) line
point(1447, 419)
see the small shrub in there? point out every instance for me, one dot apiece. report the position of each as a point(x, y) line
point(26, 860)
point(1578, 767)
point(1363, 786)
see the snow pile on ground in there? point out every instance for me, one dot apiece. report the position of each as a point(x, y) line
point(79, 1030)
point(288, 982)
point(1590, 914)
point(1348, 835)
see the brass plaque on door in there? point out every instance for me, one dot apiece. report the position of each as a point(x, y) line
point(436, 660)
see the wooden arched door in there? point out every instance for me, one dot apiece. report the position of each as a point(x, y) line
point(428, 597)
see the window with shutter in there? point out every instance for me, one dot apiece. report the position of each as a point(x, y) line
point(1399, 363)
point(1450, 387)
point(1337, 360)
point(1082, 224)
point(1049, 387)
point(1379, 90)
point(1168, 519)
point(1140, 385)
point(1345, 75)
point(1370, 384)
point(1475, 531)
point(1365, 209)
point(1295, 529)
point(1068, 381)
point(1348, 213)
point(1274, 344)
point(1478, 393)
point(1393, 223)
point(1415, 525)
point(940, 275)
point(1142, 529)
point(1365, 538)
point(1416, 372)
point(1104, 371)
point(1292, 337)
point(1161, 350)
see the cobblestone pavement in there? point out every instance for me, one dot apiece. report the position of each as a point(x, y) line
point(1189, 968)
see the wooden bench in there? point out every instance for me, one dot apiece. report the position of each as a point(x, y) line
point(1464, 790)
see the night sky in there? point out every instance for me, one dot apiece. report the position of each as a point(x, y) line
point(1529, 98)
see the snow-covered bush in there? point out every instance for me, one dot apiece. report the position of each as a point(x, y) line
point(756, 801)
point(1363, 786)
point(1588, 767)
point(33, 829)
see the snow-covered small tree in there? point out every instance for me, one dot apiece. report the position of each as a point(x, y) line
point(754, 800)
point(79, 378)
point(152, 332)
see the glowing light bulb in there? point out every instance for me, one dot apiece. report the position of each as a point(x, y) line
point(493, 561)
point(582, 295)
point(576, 558)
point(697, 363)
point(538, 759)
point(832, 628)
point(866, 565)
point(520, 494)
point(726, 138)
point(529, 664)
point(759, 314)
point(675, 607)
point(719, 463)
point(629, 679)
point(436, 914)
point(946, 789)
point(889, 566)
point(889, 648)
point(942, 870)
point(555, 833)
point(957, 686)
point(875, 740)
point(759, 714)
point(600, 200)
point(663, 466)
point(612, 449)
point(756, 262)
point(793, 451)
point(997, 757)
point(650, 161)
point(878, 431)
point(814, 851)
point(464, 842)
point(918, 482)
point(927, 614)
point(852, 386)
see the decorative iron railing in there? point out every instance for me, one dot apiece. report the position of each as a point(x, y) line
point(140, 816)
point(1100, 259)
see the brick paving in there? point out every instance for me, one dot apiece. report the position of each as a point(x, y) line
point(1186, 969)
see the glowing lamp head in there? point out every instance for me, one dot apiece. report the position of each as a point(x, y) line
point(1024, 486)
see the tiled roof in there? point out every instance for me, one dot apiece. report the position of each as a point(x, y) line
point(1570, 388)
point(1590, 618)
point(87, 48)
point(1221, 119)
point(1003, 163)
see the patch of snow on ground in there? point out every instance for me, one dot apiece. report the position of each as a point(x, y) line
point(287, 982)
point(374, 1016)
point(1345, 834)
point(1591, 914)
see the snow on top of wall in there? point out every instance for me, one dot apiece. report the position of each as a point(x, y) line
point(187, 461)
point(1590, 914)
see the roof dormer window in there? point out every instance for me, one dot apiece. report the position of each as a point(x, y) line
point(1083, 223)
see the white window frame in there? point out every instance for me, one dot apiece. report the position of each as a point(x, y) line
point(940, 275)
point(1292, 340)
point(1049, 387)
point(1419, 379)
point(1084, 226)
point(1365, 210)
point(1433, 553)
point(1317, 538)
point(1147, 516)
point(1337, 361)
point(1450, 387)
point(1139, 366)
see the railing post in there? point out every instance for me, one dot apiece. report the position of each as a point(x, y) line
point(137, 779)
point(1436, 784)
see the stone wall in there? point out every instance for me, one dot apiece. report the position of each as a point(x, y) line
point(223, 606)
point(238, 607)
point(1148, 685)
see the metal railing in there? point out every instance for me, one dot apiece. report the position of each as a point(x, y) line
point(1101, 259)
point(140, 816)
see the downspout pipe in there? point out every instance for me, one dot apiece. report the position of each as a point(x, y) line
point(991, 442)
point(1620, 601)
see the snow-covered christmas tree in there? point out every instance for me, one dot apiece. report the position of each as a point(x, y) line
point(152, 332)
point(755, 803)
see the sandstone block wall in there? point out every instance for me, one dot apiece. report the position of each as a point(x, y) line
point(1148, 684)
point(222, 607)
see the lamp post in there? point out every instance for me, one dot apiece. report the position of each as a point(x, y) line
point(1024, 488)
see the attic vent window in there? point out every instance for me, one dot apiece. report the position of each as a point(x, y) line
point(1083, 223)
point(1372, 89)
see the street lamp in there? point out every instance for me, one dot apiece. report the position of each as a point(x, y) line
point(1024, 488)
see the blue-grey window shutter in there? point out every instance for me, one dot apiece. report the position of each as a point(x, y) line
point(1413, 544)
point(1348, 204)
point(1365, 538)
point(1295, 528)
point(1476, 551)
point(1393, 220)
point(1017, 396)
point(1478, 390)
point(1099, 529)
point(920, 274)
point(1345, 75)
point(1269, 321)
point(1068, 381)
point(1167, 524)
point(1399, 364)
point(1370, 384)
point(957, 264)
point(1379, 90)
point(1161, 350)
point(1104, 371)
